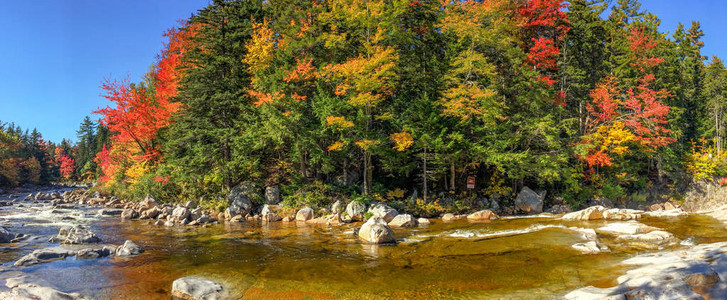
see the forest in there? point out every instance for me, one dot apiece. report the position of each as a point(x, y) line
point(396, 100)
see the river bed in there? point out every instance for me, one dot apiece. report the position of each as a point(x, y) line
point(520, 258)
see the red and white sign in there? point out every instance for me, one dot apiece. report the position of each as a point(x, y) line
point(470, 182)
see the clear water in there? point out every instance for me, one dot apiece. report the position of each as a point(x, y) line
point(523, 258)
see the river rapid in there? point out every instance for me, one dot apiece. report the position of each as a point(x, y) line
point(513, 257)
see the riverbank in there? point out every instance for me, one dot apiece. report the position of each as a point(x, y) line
point(538, 256)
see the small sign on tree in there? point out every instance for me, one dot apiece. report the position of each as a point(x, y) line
point(470, 182)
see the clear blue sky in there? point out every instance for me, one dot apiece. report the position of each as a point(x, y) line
point(54, 53)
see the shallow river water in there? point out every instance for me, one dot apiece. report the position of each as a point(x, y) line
point(523, 258)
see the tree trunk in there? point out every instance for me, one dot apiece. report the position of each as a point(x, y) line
point(368, 173)
point(452, 178)
point(424, 174)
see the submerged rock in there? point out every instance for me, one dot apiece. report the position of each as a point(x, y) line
point(376, 231)
point(5, 236)
point(197, 288)
point(529, 201)
point(75, 235)
point(43, 255)
point(129, 248)
point(590, 247)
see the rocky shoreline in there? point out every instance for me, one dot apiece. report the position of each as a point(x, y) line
point(377, 221)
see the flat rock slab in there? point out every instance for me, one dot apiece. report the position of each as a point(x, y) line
point(43, 255)
point(197, 288)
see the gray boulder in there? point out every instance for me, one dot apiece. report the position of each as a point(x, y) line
point(149, 202)
point(43, 255)
point(376, 231)
point(75, 235)
point(150, 213)
point(90, 253)
point(240, 199)
point(129, 248)
point(529, 201)
point(404, 220)
point(337, 207)
point(180, 214)
point(355, 210)
point(304, 214)
point(129, 214)
point(272, 195)
point(197, 288)
point(384, 211)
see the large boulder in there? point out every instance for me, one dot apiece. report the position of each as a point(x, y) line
point(355, 210)
point(403, 220)
point(240, 199)
point(601, 213)
point(197, 288)
point(75, 235)
point(529, 201)
point(43, 255)
point(129, 248)
point(376, 231)
point(129, 214)
point(180, 214)
point(337, 207)
point(483, 215)
point(272, 195)
point(384, 211)
point(149, 202)
point(150, 213)
point(269, 214)
point(304, 214)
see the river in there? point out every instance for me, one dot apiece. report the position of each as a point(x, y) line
point(520, 258)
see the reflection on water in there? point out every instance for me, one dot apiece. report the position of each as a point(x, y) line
point(507, 258)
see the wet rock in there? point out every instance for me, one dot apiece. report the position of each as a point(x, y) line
point(159, 223)
point(150, 213)
point(666, 213)
point(338, 207)
point(272, 195)
point(376, 231)
point(109, 212)
point(384, 211)
point(129, 248)
point(701, 283)
point(483, 215)
point(129, 214)
point(75, 235)
point(355, 210)
point(240, 199)
point(43, 255)
point(5, 236)
point(590, 247)
point(529, 201)
point(403, 220)
point(625, 228)
point(334, 219)
point(197, 288)
point(601, 213)
point(304, 214)
point(91, 253)
point(423, 221)
point(237, 218)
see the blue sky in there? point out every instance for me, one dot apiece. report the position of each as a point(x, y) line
point(54, 53)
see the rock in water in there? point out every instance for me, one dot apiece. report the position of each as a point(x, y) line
point(376, 231)
point(180, 214)
point(197, 288)
point(405, 220)
point(43, 255)
point(272, 195)
point(384, 211)
point(304, 214)
point(355, 210)
point(423, 221)
point(5, 236)
point(129, 214)
point(75, 235)
point(129, 248)
point(529, 201)
point(448, 217)
point(483, 215)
